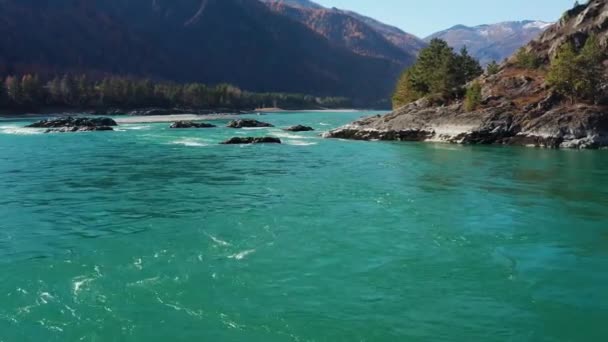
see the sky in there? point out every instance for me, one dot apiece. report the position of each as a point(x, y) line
point(424, 17)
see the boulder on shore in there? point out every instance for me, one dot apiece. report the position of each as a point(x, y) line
point(73, 122)
point(247, 123)
point(252, 140)
point(190, 124)
point(299, 128)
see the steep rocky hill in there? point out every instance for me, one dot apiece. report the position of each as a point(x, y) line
point(361, 34)
point(517, 106)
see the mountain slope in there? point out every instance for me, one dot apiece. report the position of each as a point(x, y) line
point(517, 105)
point(492, 42)
point(212, 41)
point(362, 35)
point(403, 40)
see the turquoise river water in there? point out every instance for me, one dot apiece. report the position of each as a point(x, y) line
point(152, 234)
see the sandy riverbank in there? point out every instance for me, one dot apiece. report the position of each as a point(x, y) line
point(172, 118)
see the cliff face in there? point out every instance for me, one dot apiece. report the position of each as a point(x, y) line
point(211, 41)
point(517, 108)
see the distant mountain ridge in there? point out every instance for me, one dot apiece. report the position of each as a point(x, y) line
point(493, 41)
point(363, 35)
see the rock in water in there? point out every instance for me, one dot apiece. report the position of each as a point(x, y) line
point(299, 128)
point(190, 124)
point(78, 129)
point(247, 123)
point(74, 122)
point(70, 124)
point(251, 140)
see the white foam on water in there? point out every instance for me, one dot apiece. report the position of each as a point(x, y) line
point(286, 135)
point(254, 128)
point(138, 264)
point(300, 143)
point(218, 241)
point(17, 130)
point(190, 142)
point(324, 124)
point(78, 283)
point(45, 297)
point(242, 255)
point(144, 282)
point(135, 128)
point(71, 310)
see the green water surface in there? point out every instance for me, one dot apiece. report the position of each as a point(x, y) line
point(151, 234)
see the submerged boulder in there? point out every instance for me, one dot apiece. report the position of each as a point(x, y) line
point(74, 122)
point(247, 123)
point(299, 128)
point(190, 124)
point(252, 140)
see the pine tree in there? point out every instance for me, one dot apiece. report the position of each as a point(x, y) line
point(31, 89)
point(53, 88)
point(69, 90)
point(469, 66)
point(13, 89)
point(590, 70)
point(439, 73)
point(492, 69)
point(473, 97)
point(563, 73)
point(526, 59)
point(3, 95)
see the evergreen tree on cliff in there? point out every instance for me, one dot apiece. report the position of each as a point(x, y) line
point(439, 73)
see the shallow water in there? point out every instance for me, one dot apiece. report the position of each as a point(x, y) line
point(151, 234)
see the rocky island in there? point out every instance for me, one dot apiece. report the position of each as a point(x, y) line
point(552, 93)
point(71, 124)
point(252, 140)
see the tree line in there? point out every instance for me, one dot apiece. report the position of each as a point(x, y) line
point(30, 92)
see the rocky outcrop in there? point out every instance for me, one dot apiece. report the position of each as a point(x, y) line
point(191, 124)
point(251, 140)
point(247, 123)
point(299, 128)
point(517, 106)
point(70, 124)
point(581, 126)
point(73, 122)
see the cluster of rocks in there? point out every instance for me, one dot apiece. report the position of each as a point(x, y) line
point(191, 124)
point(71, 124)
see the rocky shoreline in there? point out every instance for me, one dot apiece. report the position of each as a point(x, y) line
point(574, 127)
